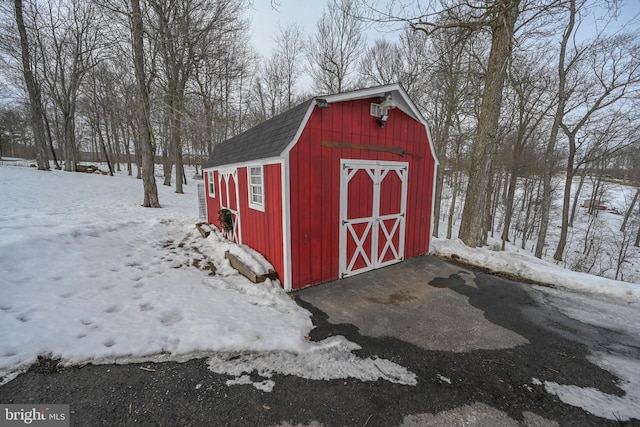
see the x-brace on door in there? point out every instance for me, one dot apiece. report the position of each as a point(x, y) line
point(373, 205)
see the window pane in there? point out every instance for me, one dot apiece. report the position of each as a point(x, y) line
point(255, 185)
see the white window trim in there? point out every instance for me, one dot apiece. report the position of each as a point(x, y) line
point(252, 204)
point(378, 110)
point(211, 185)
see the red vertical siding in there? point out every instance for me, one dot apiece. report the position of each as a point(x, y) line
point(262, 231)
point(315, 183)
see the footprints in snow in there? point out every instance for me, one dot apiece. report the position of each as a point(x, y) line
point(171, 317)
point(23, 317)
point(113, 309)
point(146, 307)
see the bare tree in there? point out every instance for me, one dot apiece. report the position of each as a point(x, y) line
point(182, 26)
point(290, 50)
point(590, 123)
point(70, 38)
point(564, 65)
point(275, 85)
point(334, 50)
point(529, 85)
point(145, 141)
point(502, 16)
point(382, 64)
point(450, 76)
point(33, 89)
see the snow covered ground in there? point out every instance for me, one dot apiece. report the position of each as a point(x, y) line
point(90, 276)
point(595, 243)
point(521, 263)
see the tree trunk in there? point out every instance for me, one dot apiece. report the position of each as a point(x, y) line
point(127, 145)
point(576, 197)
point(511, 193)
point(176, 141)
point(50, 139)
point(143, 110)
point(103, 147)
point(525, 224)
point(35, 100)
point(628, 213)
point(555, 127)
point(70, 152)
point(471, 227)
point(116, 142)
point(566, 199)
point(442, 139)
point(437, 203)
point(452, 206)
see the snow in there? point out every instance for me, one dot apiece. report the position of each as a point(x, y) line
point(444, 379)
point(525, 265)
point(611, 407)
point(595, 243)
point(330, 359)
point(89, 276)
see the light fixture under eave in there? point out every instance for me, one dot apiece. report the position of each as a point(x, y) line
point(383, 119)
point(388, 102)
point(322, 103)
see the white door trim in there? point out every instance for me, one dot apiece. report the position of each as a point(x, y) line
point(225, 176)
point(372, 256)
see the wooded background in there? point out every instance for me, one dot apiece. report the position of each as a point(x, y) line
point(526, 99)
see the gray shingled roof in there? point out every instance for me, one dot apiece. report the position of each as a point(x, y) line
point(268, 139)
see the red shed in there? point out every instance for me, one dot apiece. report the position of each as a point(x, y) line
point(336, 186)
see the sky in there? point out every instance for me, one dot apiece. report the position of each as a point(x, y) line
point(265, 19)
point(305, 13)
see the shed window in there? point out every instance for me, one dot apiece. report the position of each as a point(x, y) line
point(256, 188)
point(211, 187)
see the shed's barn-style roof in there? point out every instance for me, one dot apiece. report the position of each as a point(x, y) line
point(272, 137)
point(268, 139)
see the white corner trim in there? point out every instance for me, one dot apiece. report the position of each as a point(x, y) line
point(303, 124)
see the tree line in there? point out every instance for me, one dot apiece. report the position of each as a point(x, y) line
point(517, 92)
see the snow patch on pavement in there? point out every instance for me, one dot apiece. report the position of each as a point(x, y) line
point(594, 401)
point(329, 359)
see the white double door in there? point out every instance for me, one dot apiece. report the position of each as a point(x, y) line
point(373, 204)
point(229, 197)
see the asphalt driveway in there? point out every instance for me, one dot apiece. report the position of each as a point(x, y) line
point(413, 301)
point(481, 347)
